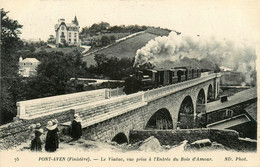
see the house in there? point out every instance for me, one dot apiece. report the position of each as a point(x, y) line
point(27, 67)
point(67, 33)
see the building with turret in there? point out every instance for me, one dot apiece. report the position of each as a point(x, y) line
point(67, 33)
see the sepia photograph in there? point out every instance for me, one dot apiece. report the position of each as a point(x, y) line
point(129, 83)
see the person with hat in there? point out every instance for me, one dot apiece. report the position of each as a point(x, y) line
point(31, 134)
point(76, 128)
point(52, 140)
point(36, 144)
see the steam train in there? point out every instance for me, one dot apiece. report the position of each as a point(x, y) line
point(145, 79)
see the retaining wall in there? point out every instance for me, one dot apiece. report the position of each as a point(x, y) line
point(17, 132)
point(228, 138)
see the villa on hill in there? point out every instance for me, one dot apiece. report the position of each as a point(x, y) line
point(67, 33)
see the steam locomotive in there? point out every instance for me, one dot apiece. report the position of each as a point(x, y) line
point(145, 79)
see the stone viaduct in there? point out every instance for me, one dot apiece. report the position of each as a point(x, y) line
point(110, 115)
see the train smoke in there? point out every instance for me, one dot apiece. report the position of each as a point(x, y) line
point(175, 47)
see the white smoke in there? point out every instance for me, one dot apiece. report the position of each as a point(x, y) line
point(175, 47)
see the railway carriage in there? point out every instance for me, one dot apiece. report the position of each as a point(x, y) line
point(173, 76)
point(158, 77)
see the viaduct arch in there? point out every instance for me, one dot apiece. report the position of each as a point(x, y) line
point(161, 119)
point(186, 113)
point(159, 113)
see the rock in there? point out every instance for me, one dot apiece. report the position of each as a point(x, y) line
point(113, 143)
point(150, 144)
point(218, 146)
point(167, 147)
point(181, 147)
point(201, 143)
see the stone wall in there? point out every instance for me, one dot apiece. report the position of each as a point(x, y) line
point(107, 130)
point(228, 138)
point(17, 132)
point(103, 110)
point(37, 107)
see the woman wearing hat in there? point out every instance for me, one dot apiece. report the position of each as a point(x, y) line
point(76, 129)
point(52, 140)
point(36, 144)
point(32, 130)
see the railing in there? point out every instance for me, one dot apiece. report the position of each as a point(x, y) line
point(116, 92)
point(36, 107)
point(163, 91)
point(106, 109)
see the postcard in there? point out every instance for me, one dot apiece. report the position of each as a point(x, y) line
point(129, 83)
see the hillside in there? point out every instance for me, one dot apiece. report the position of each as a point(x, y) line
point(127, 48)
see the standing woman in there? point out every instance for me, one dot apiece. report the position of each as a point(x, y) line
point(36, 144)
point(76, 128)
point(52, 140)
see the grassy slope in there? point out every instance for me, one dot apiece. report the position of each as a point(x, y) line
point(117, 35)
point(122, 49)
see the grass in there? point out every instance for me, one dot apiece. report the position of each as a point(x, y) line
point(122, 49)
point(117, 35)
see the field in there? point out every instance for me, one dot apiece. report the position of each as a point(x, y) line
point(117, 35)
point(122, 49)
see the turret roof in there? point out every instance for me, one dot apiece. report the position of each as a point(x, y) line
point(75, 21)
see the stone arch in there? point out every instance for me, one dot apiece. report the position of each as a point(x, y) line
point(201, 100)
point(120, 138)
point(210, 96)
point(186, 113)
point(161, 119)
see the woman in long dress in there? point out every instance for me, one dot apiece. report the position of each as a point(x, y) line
point(76, 128)
point(36, 144)
point(52, 140)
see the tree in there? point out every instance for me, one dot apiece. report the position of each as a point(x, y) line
point(104, 25)
point(112, 67)
point(10, 30)
point(11, 42)
point(95, 28)
point(105, 40)
point(54, 74)
point(112, 38)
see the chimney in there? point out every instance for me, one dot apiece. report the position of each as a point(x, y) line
point(61, 21)
point(20, 59)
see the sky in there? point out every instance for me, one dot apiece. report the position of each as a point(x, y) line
point(233, 19)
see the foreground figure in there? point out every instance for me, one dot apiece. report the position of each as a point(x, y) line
point(52, 140)
point(76, 128)
point(36, 144)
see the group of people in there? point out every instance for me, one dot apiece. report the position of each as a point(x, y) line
point(52, 138)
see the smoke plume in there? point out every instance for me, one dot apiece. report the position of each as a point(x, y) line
point(175, 47)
